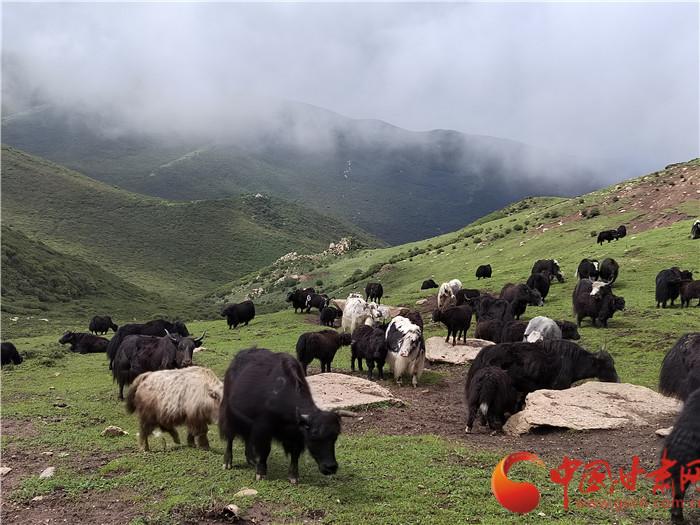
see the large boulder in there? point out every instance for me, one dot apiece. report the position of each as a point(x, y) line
point(438, 351)
point(343, 391)
point(592, 406)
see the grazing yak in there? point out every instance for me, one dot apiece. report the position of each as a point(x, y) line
point(683, 448)
point(456, 319)
point(695, 230)
point(406, 347)
point(328, 315)
point(621, 231)
point(607, 235)
point(358, 311)
point(266, 397)
point(491, 396)
point(483, 272)
point(369, 343)
point(298, 298)
point(690, 290)
point(680, 370)
point(316, 300)
point(550, 266)
point(668, 284)
point(554, 365)
point(514, 331)
point(9, 354)
point(540, 282)
point(541, 328)
point(147, 353)
point(588, 269)
point(84, 343)
point(156, 327)
point(487, 307)
point(465, 295)
point(169, 398)
point(239, 313)
point(609, 270)
point(519, 296)
point(322, 346)
point(428, 284)
point(595, 300)
point(374, 292)
point(101, 324)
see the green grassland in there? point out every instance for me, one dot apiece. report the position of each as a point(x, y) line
point(382, 479)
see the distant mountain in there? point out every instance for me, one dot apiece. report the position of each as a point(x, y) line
point(178, 250)
point(396, 184)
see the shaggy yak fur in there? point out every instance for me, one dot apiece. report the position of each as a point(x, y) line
point(170, 398)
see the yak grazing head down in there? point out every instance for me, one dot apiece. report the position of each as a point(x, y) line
point(321, 429)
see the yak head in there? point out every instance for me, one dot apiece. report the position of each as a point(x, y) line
point(605, 367)
point(185, 347)
point(67, 337)
point(320, 429)
point(569, 330)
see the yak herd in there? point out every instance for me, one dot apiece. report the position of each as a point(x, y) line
point(265, 396)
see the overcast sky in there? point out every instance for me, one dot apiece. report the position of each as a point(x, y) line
point(597, 80)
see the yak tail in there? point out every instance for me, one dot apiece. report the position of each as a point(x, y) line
point(131, 395)
point(484, 408)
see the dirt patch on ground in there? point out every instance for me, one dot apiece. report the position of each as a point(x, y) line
point(18, 428)
point(59, 507)
point(652, 196)
point(419, 416)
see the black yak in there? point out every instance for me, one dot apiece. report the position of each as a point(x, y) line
point(680, 370)
point(490, 395)
point(266, 398)
point(321, 345)
point(683, 448)
point(239, 313)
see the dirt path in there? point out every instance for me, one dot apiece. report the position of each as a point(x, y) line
point(422, 416)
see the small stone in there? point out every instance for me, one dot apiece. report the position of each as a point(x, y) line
point(52, 388)
point(60, 405)
point(542, 514)
point(663, 432)
point(37, 498)
point(245, 492)
point(112, 431)
point(4, 471)
point(421, 301)
point(63, 454)
point(47, 453)
point(48, 473)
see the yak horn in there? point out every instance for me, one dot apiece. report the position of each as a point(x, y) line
point(201, 337)
point(171, 336)
point(346, 413)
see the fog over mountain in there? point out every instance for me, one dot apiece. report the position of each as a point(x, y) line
point(602, 81)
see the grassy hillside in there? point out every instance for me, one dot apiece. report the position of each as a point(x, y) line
point(396, 184)
point(176, 249)
point(41, 283)
point(388, 474)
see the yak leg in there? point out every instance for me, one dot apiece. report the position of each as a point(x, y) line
point(470, 419)
point(294, 449)
point(370, 368)
point(228, 454)
point(173, 433)
point(202, 439)
point(146, 429)
point(380, 368)
point(678, 499)
point(261, 441)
